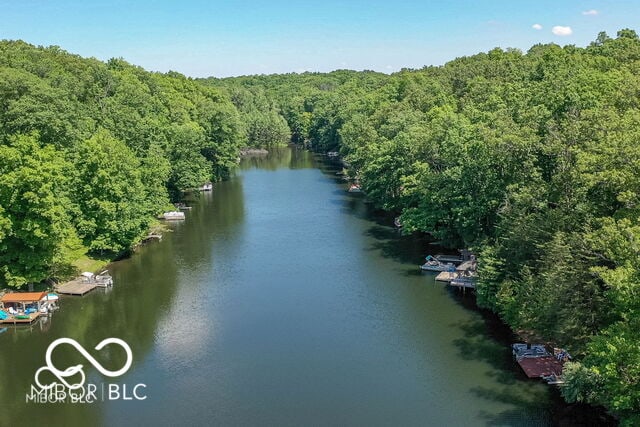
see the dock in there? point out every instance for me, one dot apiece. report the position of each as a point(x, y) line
point(463, 282)
point(12, 320)
point(541, 367)
point(446, 276)
point(464, 276)
point(76, 287)
point(21, 308)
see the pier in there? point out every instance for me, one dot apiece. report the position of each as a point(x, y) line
point(76, 287)
point(85, 283)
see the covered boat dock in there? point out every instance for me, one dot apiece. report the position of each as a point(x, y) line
point(21, 307)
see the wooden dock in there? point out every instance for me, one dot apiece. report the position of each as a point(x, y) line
point(467, 266)
point(13, 321)
point(446, 276)
point(76, 287)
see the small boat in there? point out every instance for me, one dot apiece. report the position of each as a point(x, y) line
point(173, 216)
point(355, 188)
point(522, 350)
point(396, 222)
point(434, 264)
point(52, 296)
point(104, 279)
point(206, 187)
point(333, 154)
point(449, 258)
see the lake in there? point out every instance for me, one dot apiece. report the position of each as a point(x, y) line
point(281, 300)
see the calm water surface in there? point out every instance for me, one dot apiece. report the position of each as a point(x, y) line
point(281, 300)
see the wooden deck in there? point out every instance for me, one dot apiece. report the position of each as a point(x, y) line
point(13, 321)
point(76, 287)
point(466, 266)
point(446, 276)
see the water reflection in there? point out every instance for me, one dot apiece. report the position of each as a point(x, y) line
point(282, 300)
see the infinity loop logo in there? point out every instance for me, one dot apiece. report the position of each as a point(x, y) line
point(61, 375)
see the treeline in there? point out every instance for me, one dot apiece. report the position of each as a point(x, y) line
point(532, 160)
point(261, 117)
point(90, 153)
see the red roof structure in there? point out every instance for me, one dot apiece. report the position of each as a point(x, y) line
point(536, 367)
point(23, 297)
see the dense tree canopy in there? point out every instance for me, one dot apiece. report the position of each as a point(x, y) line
point(90, 151)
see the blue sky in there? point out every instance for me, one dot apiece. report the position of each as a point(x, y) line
point(224, 38)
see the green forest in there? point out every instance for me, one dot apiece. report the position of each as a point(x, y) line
point(531, 159)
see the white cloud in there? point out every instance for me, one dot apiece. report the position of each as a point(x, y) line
point(591, 12)
point(536, 26)
point(559, 30)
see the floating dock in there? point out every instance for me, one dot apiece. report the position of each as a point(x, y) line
point(76, 287)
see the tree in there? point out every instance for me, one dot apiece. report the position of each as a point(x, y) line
point(110, 194)
point(35, 223)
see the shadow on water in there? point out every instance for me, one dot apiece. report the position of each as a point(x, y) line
point(279, 157)
point(484, 337)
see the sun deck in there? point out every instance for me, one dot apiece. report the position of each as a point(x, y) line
point(76, 287)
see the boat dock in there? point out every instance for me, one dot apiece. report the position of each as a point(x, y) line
point(537, 362)
point(446, 276)
point(464, 276)
point(85, 283)
point(76, 287)
point(13, 320)
point(21, 308)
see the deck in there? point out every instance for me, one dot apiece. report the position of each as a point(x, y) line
point(537, 367)
point(13, 321)
point(466, 266)
point(76, 287)
point(446, 276)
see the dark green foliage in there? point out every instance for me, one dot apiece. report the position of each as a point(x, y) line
point(35, 224)
point(89, 153)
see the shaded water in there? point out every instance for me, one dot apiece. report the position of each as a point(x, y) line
point(281, 300)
